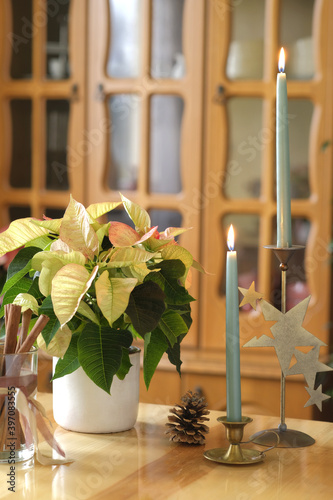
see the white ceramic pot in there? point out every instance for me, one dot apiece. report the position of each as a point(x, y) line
point(79, 405)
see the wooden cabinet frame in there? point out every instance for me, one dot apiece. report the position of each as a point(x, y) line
point(316, 208)
point(39, 90)
point(190, 89)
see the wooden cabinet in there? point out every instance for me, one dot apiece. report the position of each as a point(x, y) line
point(173, 104)
point(43, 111)
point(243, 41)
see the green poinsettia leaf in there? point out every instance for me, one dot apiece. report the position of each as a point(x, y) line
point(112, 295)
point(43, 242)
point(87, 312)
point(96, 210)
point(34, 289)
point(146, 306)
point(137, 271)
point(170, 268)
point(175, 252)
point(174, 356)
point(70, 361)
point(58, 345)
point(100, 353)
point(2, 279)
point(26, 301)
point(125, 365)
point(53, 324)
point(184, 310)
point(19, 267)
point(68, 288)
point(21, 286)
point(137, 214)
point(155, 345)
point(76, 231)
point(175, 294)
point(18, 234)
point(172, 325)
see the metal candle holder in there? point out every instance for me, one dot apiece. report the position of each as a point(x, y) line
point(288, 438)
point(235, 455)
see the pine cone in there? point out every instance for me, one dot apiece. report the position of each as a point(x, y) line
point(186, 423)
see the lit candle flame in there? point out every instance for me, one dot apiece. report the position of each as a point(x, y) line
point(231, 238)
point(282, 60)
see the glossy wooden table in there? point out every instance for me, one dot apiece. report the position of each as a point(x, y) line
point(143, 464)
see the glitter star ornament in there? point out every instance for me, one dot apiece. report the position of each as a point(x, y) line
point(289, 335)
point(250, 296)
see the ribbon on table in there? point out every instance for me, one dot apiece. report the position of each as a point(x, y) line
point(33, 415)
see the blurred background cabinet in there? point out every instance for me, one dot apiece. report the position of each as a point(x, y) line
point(172, 102)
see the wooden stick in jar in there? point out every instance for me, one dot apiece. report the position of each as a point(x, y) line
point(12, 319)
point(29, 341)
point(26, 317)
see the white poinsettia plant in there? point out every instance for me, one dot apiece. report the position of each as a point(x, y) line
point(102, 285)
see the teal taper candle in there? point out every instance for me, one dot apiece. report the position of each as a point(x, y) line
point(234, 410)
point(282, 159)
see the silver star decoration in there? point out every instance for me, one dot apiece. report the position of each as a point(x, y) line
point(288, 332)
point(316, 397)
point(308, 364)
point(250, 296)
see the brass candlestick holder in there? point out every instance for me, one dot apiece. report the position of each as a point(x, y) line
point(287, 438)
point(235, 454)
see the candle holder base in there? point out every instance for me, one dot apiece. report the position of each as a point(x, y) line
point(235, 455)
point(231, 456)
point(288, 438)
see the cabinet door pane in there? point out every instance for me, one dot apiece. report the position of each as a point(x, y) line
point(166, 115)
point(167, 59)
point(21, 36)
point(247, 139)
point(20, 168)
point(120, 215)
point(296, 37)
point(19, 212)
point(300, 116)
point(57, 114)
point(165, 218)
point(125, 47)
point(125, 111)
point(54, 213)
point(57, 39)
point(245, 58)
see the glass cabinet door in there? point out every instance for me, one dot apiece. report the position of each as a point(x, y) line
point(145, 99)
point(41, 105)
point(243, 65)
